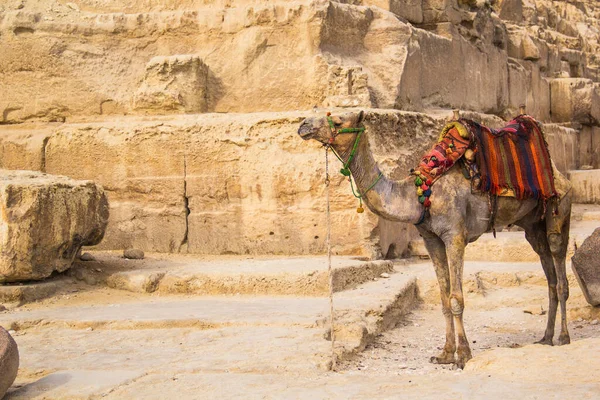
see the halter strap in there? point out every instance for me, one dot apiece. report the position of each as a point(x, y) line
point(345, 170)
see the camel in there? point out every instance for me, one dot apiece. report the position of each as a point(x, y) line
point(456, 217)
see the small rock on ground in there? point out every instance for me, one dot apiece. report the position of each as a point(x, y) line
point(133, 254)
point(9, 361)
point(87, 257)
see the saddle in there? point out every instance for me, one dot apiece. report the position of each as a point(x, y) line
point(512, 161)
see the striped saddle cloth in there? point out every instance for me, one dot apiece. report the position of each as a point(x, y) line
point(511, 161)
point(514, 160)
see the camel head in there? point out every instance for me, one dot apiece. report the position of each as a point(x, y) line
point(320, 129)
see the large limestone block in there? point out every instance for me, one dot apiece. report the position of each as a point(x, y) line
point(141, 165)
point(511, 10)
point(522, 46)
point(348, 87)
point(518, 79)
point(70, 63)
point(595, 145)
point(411, 10)
point(175, 83)
point(22, 147)
point(452, 72)
point(264, 191)
point(563, 146)
point(586, 186)
point(589, 146)
point(9, 361)
point(248, 56)
point(435, 11)
point(586, 266)
point(383, 42)
point(526, 85)
point(575, 99)
point(242, 183)
point(44, 221)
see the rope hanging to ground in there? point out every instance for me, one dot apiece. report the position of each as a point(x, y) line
point(329, 270)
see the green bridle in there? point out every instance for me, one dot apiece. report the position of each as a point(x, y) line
point(335, 132)
point(346, 170)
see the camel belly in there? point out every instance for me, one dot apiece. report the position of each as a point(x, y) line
point(511, 210)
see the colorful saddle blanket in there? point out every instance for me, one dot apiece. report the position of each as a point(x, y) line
point(511, 161)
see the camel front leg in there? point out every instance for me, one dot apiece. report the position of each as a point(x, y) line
point(455, 251)
point(437, 252)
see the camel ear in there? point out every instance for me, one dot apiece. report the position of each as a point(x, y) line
point(361, 116)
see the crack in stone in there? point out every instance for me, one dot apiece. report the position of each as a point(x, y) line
point(186, 202)
point(43, 158)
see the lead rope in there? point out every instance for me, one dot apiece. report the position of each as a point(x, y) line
point(330, 272)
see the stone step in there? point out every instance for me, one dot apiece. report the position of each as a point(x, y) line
point(23, 293)
point(272, 329)
point(240, 335)
point(365, 312)
point(218, 275)
point(512, 246)
point(586, 186)
point(585, 212)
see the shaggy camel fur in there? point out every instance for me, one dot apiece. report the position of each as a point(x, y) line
point(456, 217)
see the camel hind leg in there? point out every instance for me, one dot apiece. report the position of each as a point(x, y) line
point(557, 231)
point(535, 233)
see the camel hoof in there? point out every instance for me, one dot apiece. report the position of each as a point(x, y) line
point(562, 340)
point(443, 358)
point(460, 364)
point(463, 359)
point(547, 342)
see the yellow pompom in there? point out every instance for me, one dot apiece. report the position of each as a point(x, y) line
point(419, 192)
point(360, 210)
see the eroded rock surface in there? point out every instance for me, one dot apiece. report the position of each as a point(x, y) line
point(176, 83)
point(586, 266)
point(44, 221)
point(185, 183)
point(9, 361)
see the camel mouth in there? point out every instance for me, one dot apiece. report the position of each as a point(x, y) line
point(305, 131)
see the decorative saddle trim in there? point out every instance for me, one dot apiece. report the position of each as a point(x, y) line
point(453, 142)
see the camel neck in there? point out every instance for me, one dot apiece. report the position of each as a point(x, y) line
point(391, 200)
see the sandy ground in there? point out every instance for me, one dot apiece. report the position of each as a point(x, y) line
point(490, 324)
point(263, 347)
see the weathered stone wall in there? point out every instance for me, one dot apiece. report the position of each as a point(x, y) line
point(98, 89)
point(268, 56)
point(64, 60)
point(44, 222)
point(232, 183)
